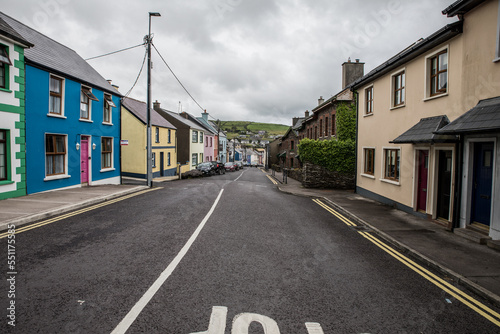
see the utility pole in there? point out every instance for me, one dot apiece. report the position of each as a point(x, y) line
point(149, 148)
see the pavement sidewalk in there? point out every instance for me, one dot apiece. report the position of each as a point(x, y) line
point(475, 266)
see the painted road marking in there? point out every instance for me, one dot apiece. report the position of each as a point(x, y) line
point(333, 212)
point(242, 322)
point(240, 176)
point(125, 324)
point(74, 213)
point(472, 303)
point(272, 180)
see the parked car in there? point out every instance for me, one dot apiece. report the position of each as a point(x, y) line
point(239, 164)
point(207, 168)
point(218, 167)
point(230, 166)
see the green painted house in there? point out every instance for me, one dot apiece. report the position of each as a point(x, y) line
point(12, 112)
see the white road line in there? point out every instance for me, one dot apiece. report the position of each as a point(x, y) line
point(239, 176)
point(125, 324)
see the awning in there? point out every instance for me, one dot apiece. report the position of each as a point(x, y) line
point(425, 132)
point(484, 117)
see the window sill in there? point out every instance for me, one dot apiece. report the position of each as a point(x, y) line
point(5, 90)
point(107, 170)
point(56, 116)
point(435, 97)
point(368, 115)
point(396, 183)
point(86, 120)
point(496, 60)
point(368, 176)
point(3, 183)
point(107, 123)
point(398, 107)
point(57, 177)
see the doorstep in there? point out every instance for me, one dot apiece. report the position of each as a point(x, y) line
point(472, 235)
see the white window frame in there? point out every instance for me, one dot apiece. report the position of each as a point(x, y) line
point(89, 119)
point(194, 133)
point(393, 88)
point(56, 176)
point(365, 113)
point(427, 90)
point(194, 158)
point(109, 108)
point(364, 148)
point(382, 169)
point(63, 91)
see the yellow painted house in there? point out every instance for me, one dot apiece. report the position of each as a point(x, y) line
point(134, 141)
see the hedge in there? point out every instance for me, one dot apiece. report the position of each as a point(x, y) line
point(335, 155)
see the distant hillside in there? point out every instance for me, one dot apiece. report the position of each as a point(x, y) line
point(238, 128)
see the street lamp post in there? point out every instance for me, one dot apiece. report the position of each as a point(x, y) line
point(149, 149)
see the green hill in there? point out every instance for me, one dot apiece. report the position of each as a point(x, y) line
point(236, 128)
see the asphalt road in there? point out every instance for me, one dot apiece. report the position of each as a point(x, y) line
point(228, 248)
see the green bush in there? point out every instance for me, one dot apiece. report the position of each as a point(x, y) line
point(346, 121)
point(335, 155)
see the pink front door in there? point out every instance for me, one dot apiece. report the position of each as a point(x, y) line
point(84, 159)
point(423, 172)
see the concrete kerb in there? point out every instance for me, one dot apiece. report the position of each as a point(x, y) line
point(67, 208)
point(414, 254)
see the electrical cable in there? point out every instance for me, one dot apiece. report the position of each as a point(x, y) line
point(110, 53)
point(180, 83)
point(137, 79)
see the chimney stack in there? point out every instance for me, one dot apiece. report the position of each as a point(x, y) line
point(156, 105)
point(306, 114)
point(351, 72)
point(184, 114)
point(321, 100)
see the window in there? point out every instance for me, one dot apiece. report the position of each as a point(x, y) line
point(201, 138)
point(369, 163)
point(195, 136)
point(398, 89)
point(85, 105)
point(206, 141)
point(106, 152)
point(108, 111)
point(438, 73)
point(321, 128)
point(326, 126)
point(316, 132)
point(55, 155)
point(194, 159)
point(5, 64)
point(369, 101)
point(56, 94)
point(169, 136)
point(201, 157)
point(292, 145)
point(154, 159)
point(334, 126)
point(3, 155)
point(168, 159)
point(157, 134)
point(391, 168)
point(211, 141)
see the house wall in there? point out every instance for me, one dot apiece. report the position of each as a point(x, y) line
point(133, 154)
point(208, 148)
point(165, 147)
point(196, 148)
point(395, 121)
point(12, 119)
point(39, 123)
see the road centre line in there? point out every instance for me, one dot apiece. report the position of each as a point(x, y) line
point(333, 212)
point(472, 303)
point(125, 324)
point(74, 213)
point(240, 176)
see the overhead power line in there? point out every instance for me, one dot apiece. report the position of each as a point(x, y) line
point(140, 71)
point(110, 53)
point(175, 76)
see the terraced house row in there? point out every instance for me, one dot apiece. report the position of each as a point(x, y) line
point(62, 124)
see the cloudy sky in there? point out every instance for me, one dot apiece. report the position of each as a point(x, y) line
point(255, 60)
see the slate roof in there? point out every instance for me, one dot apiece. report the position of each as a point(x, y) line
point(484, 117)
point(140, 110)
point(424, 132)
point(57, 58)
point(181, 119)
point(8, 31)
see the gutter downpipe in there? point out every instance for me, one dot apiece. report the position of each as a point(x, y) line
point(356, 94)
point(458, 182)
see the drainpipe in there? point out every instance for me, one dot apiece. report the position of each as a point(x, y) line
point(356, 96)
point(458, 182)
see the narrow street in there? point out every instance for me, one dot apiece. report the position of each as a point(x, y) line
point(229, 247)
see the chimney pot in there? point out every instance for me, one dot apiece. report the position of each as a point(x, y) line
point(156, 105)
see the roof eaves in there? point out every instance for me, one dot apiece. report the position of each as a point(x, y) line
point(461, 7)
point(444, 34)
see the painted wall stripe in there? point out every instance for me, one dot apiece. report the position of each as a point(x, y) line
point(125, 324)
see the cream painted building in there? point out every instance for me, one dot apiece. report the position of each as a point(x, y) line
point(134, 138)
point(418, 147)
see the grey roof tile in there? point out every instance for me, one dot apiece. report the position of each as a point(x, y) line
point(424, 132)
point(140, 110)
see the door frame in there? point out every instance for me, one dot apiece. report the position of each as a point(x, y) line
point(89, 152)
point(416, 158)
point(162, 163)
point(427, 198)
point(468, 175)
point(436, 180)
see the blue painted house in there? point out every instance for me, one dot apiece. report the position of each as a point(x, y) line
point(72, 118)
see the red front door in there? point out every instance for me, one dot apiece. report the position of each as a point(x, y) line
point(423, 171)
point(84, 159)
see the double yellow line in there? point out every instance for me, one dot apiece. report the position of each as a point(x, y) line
point(74, 213)
point(272, 180)
point(472, 303)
